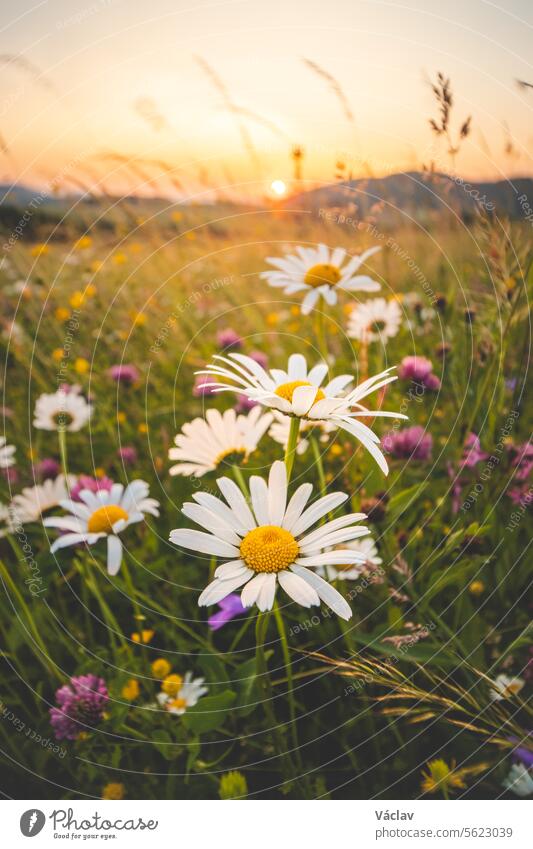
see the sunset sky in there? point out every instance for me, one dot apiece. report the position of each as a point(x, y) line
point(120, 77)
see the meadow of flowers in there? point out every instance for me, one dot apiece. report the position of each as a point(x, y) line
point(266, 509)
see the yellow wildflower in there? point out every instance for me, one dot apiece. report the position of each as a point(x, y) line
point(113, 791)
point(62, 314)
point(172, 684)
point(83, 243)
point(40, 250)
point(443, 777)
point(144, 637)
point(76, 300)
point(160, 668)
point(81, 365)
point(131, 690)
point(57, 354)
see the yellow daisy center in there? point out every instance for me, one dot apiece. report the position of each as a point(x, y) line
point(269, 549)
point(232, 456)
point(322, 274)
point(286, 390)
point(103, 519)
point(178, 704)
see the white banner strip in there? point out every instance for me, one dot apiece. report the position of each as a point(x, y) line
point(267, 824)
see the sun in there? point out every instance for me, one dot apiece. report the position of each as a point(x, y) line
point(278, 188)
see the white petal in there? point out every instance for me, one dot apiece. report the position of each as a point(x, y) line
point(296, 505)
point(315, 512)
point(327, 593)
point(265, 599)
point(114, 554)
point(277, 492)
point(212, 523)
point(330, 527)
point(205, 543)
point(252, 589)
point(298, 589)
point(66, 540)
point(237, 502)
point(303, 399)
point(259, 495)
point(230, 570)
point(217, 589)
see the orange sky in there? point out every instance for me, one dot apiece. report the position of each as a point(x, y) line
point(111, 76)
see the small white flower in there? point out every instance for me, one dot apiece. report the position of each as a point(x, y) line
point(506, 687)
point(103, 514)
point(270, 542)
point(204, 444)
point(187, 696)
point(519, 780)
point(33, 501)
point(369, 557)
point(281, 426)
point(7, 452)
point(375, 320)
point(68, 410)
point(317, 272)
point(299, 392)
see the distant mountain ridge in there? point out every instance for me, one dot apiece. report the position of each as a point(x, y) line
point(417, 193)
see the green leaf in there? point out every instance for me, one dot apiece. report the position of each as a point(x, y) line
point(209, 713)
point(245, 679)
point(164, 743)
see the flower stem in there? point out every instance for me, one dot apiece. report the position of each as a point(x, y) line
point(292, 442)
point(265, 687)
point(62, 438)
point(239, 479)
point(321, 338)
point(290, 684)
point(319, 465)
point(137, 615)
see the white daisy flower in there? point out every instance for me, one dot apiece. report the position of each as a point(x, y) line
point(375, 320)
point(204, 444)
point(61, 410)
point(103, 514)
point(505, 687)
point(281, 426)
point(299, 392)
point(184, 695)
point(270, 542)
point(519, 780)
point(33, 501)
point(368, 552)
point(7, 452)
point(317, 272)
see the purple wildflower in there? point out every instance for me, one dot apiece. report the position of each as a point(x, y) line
point(230, 607)
point(47, 468)
point(260, 358)
point(228, 338)
point(128, 455)
point(472, 455)
point(80, 706)
point(92, 484)
point(124, 373)
point(419, 370)
point(244, 404)
point(522, 460)
point(411, 443)
point(202, 385)
point(522, 496)
point(10, 474)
